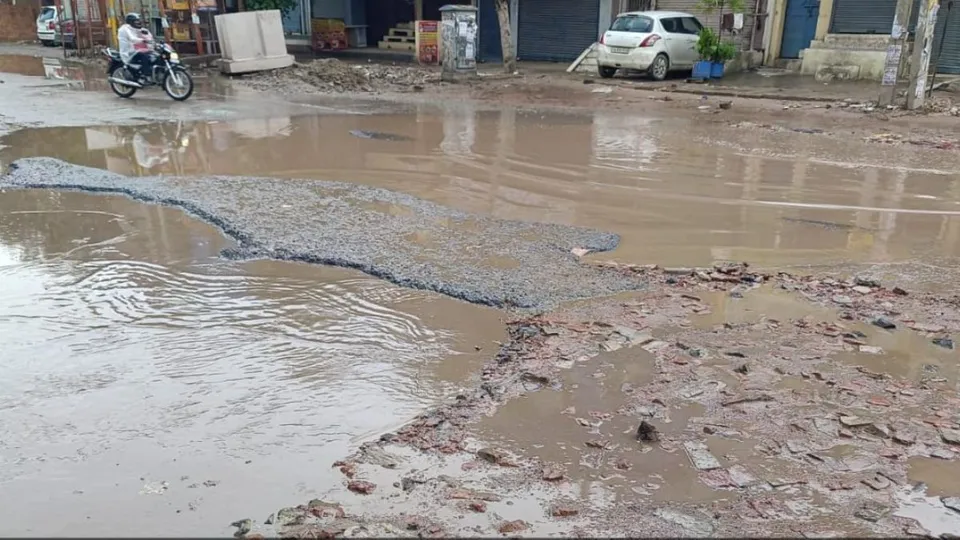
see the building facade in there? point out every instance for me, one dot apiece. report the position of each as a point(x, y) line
point(848, 39)
point(559, 30)
point(544, 30)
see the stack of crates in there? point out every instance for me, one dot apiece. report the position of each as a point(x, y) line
point(328, 34)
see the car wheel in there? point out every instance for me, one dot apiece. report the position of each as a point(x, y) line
point(659, 68)
point(607, 72)
point(46, 43)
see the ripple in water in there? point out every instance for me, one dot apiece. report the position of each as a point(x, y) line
point(124, 361)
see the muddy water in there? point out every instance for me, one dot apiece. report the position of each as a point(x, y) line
point(606, 455)
point(137, 366)
point(942, 477)
point(679, 192)
point(92, 76)
point(139, 358)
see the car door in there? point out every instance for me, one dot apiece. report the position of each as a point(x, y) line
point(691, 31)
point(675, 42)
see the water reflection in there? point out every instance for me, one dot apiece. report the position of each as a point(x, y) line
point(677, 192)
point(623, 141)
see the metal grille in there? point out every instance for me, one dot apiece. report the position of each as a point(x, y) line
point(743, 38)
point(867, 16)
point(947, 40)
point(490, 48)
point(556, 30)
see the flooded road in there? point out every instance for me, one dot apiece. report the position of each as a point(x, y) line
point(155, 388)
point(138, 365)
point(677, 192)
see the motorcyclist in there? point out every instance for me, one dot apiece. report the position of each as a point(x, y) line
point(135, 46)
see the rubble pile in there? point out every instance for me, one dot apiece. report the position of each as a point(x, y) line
point(795, 394)
point(329, 75)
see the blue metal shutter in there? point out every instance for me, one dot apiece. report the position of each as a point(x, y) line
point(947, 38)
point(490, 49)
point(556, 30)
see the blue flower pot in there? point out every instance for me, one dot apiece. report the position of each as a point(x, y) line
point(701, 70)
point(716, 70)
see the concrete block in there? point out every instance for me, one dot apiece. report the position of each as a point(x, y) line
point(869, 63)
point(871, 42)
point(835, 72)
point(252, 41)
point(745, 60)
point(255, 64)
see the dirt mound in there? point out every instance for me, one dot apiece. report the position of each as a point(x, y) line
point(332, 75)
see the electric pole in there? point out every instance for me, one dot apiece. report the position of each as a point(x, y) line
point(895, 46)
point(922, 48)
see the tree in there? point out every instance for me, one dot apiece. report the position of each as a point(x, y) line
point(285, 6)
point(506, 41)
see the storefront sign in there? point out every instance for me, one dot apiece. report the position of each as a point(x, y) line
point(428, 42)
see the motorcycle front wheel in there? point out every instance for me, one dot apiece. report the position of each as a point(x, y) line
point(178, 84)
point(121, 90)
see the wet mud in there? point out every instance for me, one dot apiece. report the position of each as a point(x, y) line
point(660, 423)
point(329, 223)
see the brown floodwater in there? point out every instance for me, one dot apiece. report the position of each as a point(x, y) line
point(138, 365)
point(941, 476)
point(679, 192)
point(607, 456)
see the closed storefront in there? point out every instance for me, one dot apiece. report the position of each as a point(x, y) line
point(876, 17)
point(556, 30)
point(867, 16)
point(947, 40)
point(863, 16)
point(490, 50)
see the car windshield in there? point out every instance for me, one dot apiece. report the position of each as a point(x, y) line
point(47, 14)
point(632, 23)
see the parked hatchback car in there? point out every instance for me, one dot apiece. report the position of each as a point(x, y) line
point(656, 42)
point(53, 29)
point(47, 26)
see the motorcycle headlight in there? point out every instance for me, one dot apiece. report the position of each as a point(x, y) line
point(174, 56)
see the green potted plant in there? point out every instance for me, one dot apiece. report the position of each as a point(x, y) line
point(722, 53)
point(707, 42)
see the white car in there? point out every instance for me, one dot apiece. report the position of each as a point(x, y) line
point(653, 41)
point(47, 26)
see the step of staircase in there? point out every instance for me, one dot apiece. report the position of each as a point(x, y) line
point(393, 45)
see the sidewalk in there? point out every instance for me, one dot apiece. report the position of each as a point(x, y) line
point(761, 84)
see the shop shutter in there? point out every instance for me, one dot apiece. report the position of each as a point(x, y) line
point(947, 39)
point(867, 16)
point(490, 49)
point(556, 30)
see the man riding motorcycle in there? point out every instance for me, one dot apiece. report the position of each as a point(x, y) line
point(135, 46)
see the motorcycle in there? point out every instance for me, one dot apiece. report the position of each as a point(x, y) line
point(167, 73)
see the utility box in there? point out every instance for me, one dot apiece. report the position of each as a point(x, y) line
point(458, 38)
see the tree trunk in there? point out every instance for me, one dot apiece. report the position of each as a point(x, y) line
point(506, 42)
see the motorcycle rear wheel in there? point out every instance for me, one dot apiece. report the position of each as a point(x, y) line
point(121, 72)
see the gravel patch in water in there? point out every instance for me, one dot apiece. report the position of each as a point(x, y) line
point(393, 236)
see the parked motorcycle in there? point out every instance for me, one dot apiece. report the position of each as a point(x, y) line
point(167, 73)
